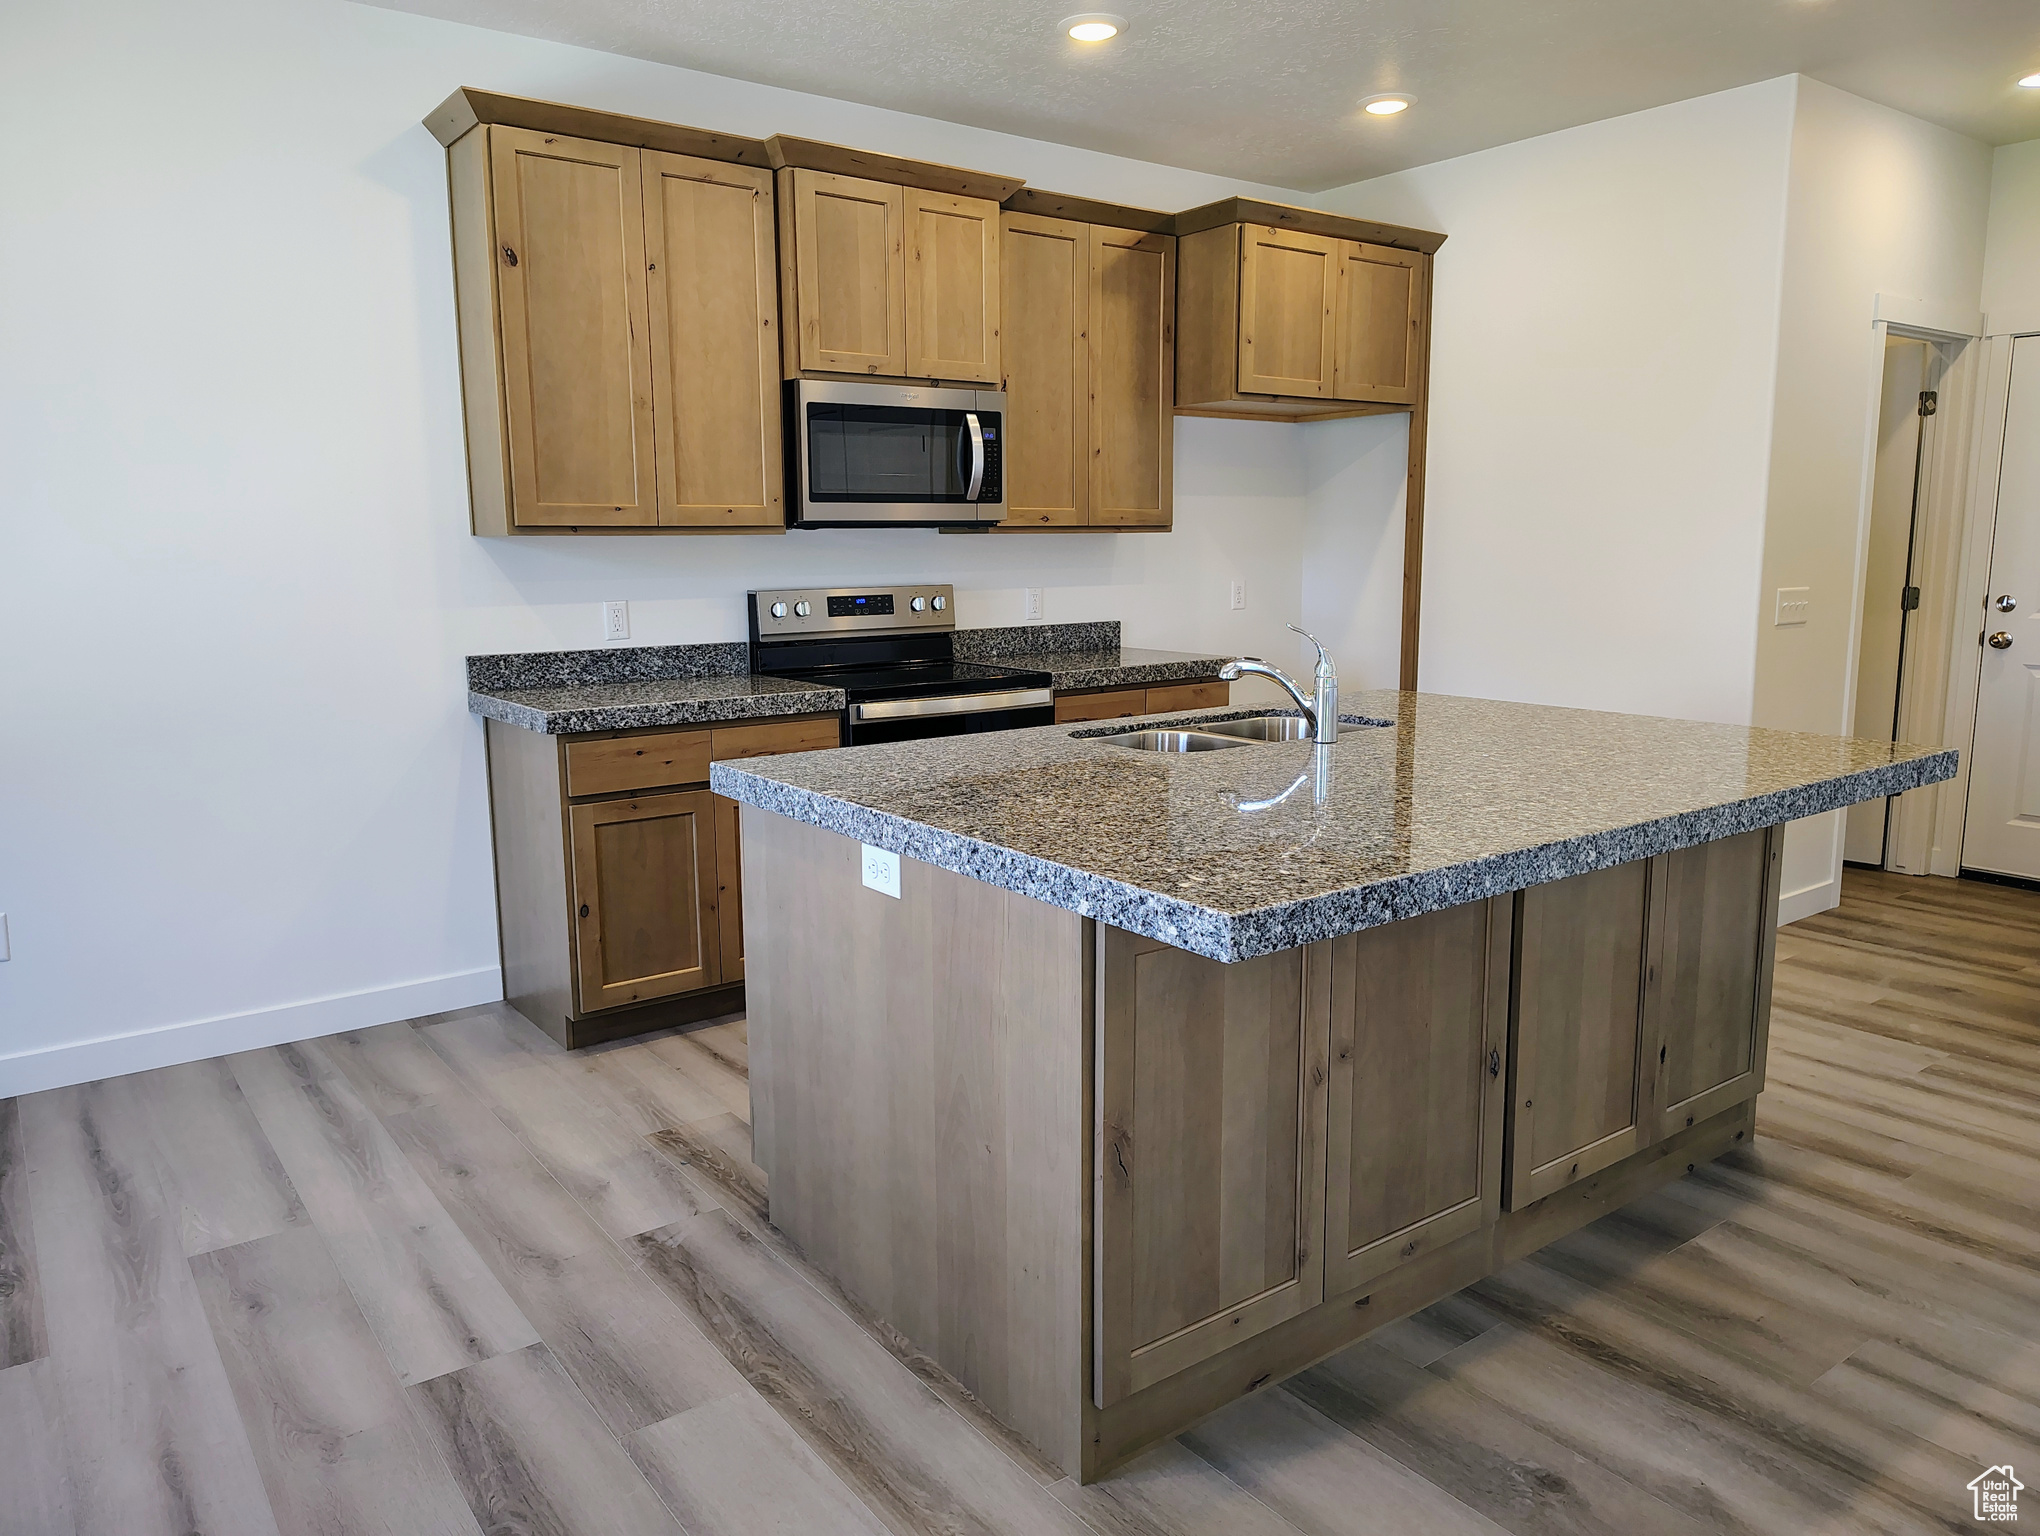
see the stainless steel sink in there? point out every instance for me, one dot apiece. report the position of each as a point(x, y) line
point(1172, 741)
point(1269, 728)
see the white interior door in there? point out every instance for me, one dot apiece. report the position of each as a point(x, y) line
point(2001, 832)
point(1885, 574)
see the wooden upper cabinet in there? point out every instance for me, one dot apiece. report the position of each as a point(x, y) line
point(644, 893)
point(843, 247)
point(713, 271)
point(1045, 278)
point(1211, 1153)
point(1132, 318)
point(952, 287)
point(1378, 324)
point(1288, 294)
point(1419, 1046)
point(569, 257)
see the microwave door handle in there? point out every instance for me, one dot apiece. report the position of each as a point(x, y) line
point(977, 455)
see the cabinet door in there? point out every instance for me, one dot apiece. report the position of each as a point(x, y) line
point(1118, 704)
point(1045, 272)
point(710, 253)
point(952, 287)
point(1288, 284)
point(1210, 1153)
point(1712, 1000)
point(644, 898)
point(1580, 1095)
point(849, 274)
point(1420, 1016)
point(1378, 324)
point(729, 887)
point(577, 360)
point(1132, 378)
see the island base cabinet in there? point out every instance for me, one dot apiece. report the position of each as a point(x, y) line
point(1210, 1156)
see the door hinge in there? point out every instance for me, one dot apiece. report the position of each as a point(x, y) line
point(1930, 402)
point(1909, 599)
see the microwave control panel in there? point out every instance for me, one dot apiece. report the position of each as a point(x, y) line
point(991, 489)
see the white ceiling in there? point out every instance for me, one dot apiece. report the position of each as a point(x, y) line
point(1269, 92)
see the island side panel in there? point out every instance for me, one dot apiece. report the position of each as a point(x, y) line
point(917, 1076)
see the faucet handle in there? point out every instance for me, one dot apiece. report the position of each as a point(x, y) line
point(1324, 657)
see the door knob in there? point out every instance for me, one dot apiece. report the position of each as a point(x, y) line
point(2001, 641)
point(2006, 603)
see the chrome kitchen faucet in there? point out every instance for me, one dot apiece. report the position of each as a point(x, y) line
point(1322, 714)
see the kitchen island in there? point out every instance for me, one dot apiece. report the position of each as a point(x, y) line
point(1166, 1075)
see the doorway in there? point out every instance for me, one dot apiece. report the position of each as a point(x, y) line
point(1890, 593)
point(2001, 829)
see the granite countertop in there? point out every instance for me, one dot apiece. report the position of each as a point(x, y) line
point(1456, 800)
point(566, 692)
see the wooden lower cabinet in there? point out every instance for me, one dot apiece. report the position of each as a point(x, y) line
point(1211, 1115)
point(1125, 703)
point(1419, 1045)
point(729, 871)
point(645, 892)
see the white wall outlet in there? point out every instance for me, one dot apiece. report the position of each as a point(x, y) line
point(1795, 606)
point(616, 621)
point(1238, 598)
point(882, 871)
point(1034, 605)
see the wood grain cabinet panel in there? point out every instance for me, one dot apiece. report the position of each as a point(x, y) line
point(1378, 324)
point(576, 353)
point(1419, 1042)
point(844, 238)
point(644, 760)
point(1132, 317)
point(1113, 704)
point(713, 270)
point(1713, 998)
point(645, 898)
point(1188, 696)
point(729, 887)
point(1581, 1091)
point(952, 287)
point(1045, 270)
point(1288, 288)
point(1210, 1161)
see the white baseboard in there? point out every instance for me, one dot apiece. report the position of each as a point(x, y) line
point(85, 1061)
point(1792, 905)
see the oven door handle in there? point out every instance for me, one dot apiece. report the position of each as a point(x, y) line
point(954, 704)
point(977, 456)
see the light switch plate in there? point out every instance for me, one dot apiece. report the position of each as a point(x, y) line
point(882, 871)
point(616, 621)
point(1795, 606)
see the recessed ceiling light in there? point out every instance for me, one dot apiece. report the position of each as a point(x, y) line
point(1387, 106)
point(2031, 82)
point(1094, 26)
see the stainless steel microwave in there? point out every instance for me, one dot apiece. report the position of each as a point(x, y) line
point(893, 454)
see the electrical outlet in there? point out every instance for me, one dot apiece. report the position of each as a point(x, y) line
point(1239, 594)
point(1034, 605)
point(882, 871)
point(1795, 606)
point(616, 621)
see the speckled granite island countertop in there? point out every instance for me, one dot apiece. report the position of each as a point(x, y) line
point(1230, 854)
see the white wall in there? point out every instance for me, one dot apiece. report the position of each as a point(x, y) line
point(1878, 203)
point(2011, 264)
point(241, 791)
point(1605, 320)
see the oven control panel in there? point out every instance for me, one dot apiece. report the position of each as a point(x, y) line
point(851, 610)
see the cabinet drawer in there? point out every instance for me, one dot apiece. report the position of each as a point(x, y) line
point(1071, 708)
point(636, 762)
point(773, 736)
point(1188, 696)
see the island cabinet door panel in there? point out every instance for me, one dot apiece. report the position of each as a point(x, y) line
point(1288, 287)
point(1581, 1095)
point(1420, 1022)
point(577, 359)
point(1377, 346)
point(713, 270)
point(1045, 268)
point(952, 271)
point(849, 273)
point(1210, 1157)
point(1718, 927)
point(645, 898)
point(1132, 378)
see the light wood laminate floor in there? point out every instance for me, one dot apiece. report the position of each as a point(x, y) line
point(442, 1276)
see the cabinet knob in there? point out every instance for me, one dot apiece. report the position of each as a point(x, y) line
point(584, 909)
point(509, 257)
point(1494, 1063)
